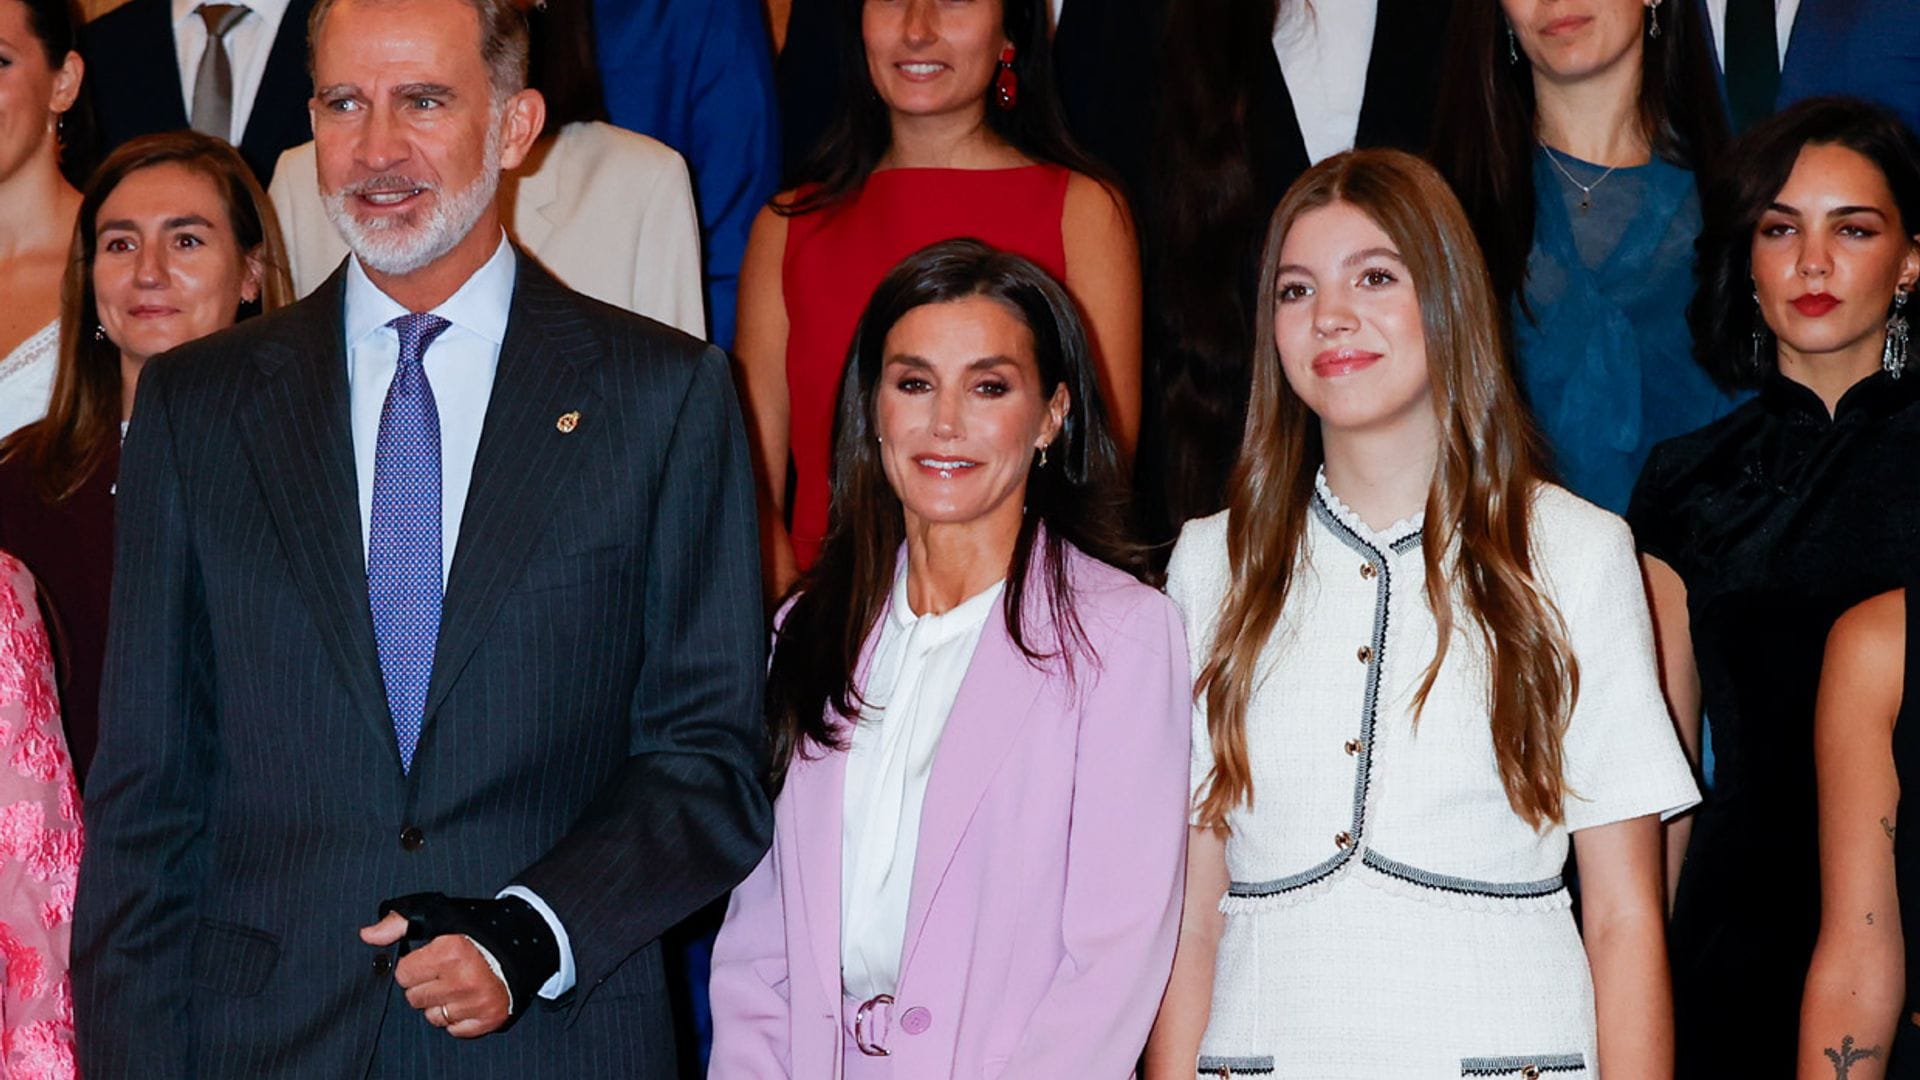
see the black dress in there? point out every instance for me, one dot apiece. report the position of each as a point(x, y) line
point(68, 547)
point(1778, 518)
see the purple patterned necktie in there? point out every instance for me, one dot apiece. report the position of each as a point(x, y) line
point(403, 540)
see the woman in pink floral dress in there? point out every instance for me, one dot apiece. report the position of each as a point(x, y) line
point(39, 845)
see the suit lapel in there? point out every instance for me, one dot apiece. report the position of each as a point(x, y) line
point(155, 68)
point(1276, 139)
point(817, 796)
point(522, 466)
point(1403, 74)
point(998, 691)
point(275, 122)
point(1811, 41)
point(297, 429)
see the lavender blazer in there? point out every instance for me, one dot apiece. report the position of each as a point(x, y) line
point(1047, 886)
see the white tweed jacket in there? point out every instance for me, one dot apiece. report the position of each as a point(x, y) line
point(1346, 781)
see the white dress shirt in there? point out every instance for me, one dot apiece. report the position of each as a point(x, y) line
point(248, 45)
point(1783, 15)
point(1057, 5)
point(1323, 52)
point(912, 679)
point(460, 366)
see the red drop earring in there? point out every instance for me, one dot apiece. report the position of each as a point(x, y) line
point(1006, 83)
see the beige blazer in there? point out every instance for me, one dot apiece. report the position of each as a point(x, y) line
point(607, 211)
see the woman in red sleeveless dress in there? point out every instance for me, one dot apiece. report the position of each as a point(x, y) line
point(955, 131)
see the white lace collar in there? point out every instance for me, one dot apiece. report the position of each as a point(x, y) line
point(1383, 538)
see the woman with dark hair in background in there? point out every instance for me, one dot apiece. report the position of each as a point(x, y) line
point(1573, 134)
point(1760, 529)
point(174, 241)
point(979, 718)
point(40, 77)
point(607, 211)
point(949, 127)
point(1240, 97)
point(1425, 674)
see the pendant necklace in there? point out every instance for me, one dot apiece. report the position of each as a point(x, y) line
point(1586, 190)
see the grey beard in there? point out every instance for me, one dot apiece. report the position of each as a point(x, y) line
point(395, 248)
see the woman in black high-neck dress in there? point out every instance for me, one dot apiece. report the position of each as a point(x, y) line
point(1760, 529)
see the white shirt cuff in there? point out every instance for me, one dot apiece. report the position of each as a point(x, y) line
point(562, 980)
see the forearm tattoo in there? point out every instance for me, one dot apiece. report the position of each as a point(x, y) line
point(1888, 826)
point(1846, 1057)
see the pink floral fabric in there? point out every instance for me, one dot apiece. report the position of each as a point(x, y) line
point(39, 845)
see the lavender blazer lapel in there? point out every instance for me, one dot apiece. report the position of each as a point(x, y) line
point(816, 792)
point(1000, 688)
point(817, 795)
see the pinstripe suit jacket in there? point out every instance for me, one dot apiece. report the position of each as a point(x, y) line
point(592, 727)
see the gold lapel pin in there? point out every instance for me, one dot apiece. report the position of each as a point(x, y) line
point(567, 422)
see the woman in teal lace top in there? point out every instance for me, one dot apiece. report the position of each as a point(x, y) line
point(1573, 143)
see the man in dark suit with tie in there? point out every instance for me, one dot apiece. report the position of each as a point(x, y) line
point(236, 70)
point(1775, 52)
point(433, 688)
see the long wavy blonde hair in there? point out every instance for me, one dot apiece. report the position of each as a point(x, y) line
point(1475, 538)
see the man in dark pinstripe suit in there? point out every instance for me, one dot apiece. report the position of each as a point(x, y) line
point(436, 591)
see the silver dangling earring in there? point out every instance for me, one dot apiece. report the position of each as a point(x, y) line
point(1894, 357)
point(1513, 47)
point(1043, 457)
point(99, 332)
point(1759, 335)
point(1653, 19)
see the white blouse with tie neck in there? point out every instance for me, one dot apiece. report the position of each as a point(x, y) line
point(911, 682)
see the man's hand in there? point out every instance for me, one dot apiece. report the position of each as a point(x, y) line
point(447, 979)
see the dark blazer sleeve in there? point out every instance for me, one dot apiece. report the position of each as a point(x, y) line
point(686, 818)
point(134, 918)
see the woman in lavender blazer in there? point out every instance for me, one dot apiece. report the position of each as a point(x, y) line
point(979, 717)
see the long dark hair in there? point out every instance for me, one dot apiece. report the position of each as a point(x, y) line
point(1484, 134)
point(1203, 242)
point(83, 417)
point(862, 131)
point(56, 24)
point(1475, 538)
point(1077, 501)
point(1730, 340)
point(562, 64)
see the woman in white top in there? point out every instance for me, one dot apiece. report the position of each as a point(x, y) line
point(1421, 670)
point(978, 713)
point(40, 74)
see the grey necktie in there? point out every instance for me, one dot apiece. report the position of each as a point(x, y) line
point(213, 87)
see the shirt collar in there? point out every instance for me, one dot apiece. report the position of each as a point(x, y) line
point(479, 307)
point(186, 9)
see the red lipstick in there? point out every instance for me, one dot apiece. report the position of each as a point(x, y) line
point(1343, 361)
point(1814, 305)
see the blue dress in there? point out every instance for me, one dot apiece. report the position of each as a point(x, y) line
point(1604, 354)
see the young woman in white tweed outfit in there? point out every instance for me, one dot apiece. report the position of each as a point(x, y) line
point(1424, 671)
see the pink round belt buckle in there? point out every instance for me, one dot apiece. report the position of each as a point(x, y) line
point(862, 1018)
